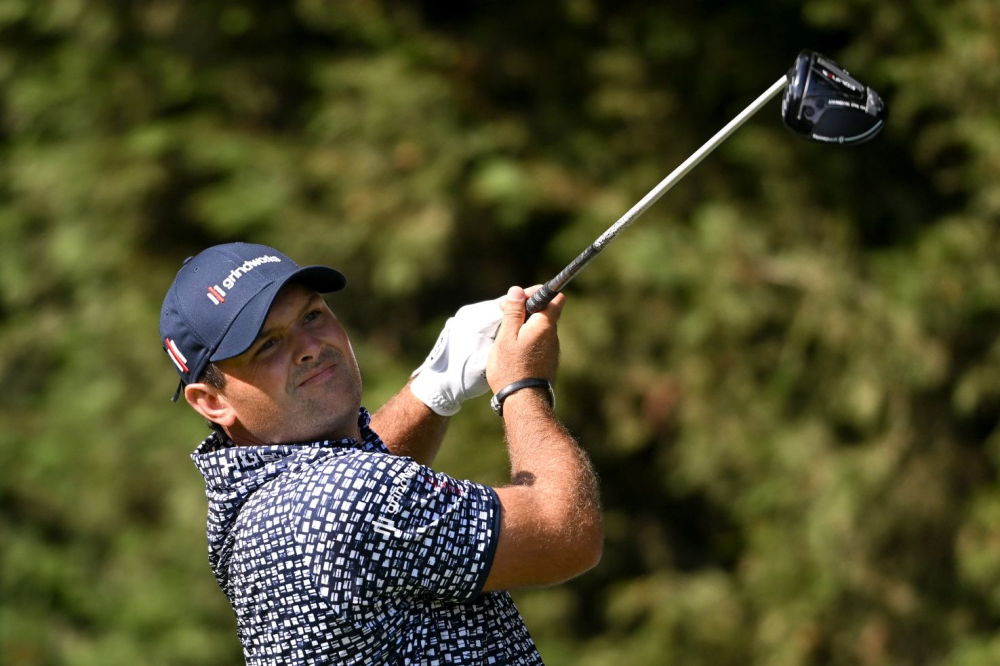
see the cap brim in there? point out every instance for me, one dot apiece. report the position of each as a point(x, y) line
point(247, 324)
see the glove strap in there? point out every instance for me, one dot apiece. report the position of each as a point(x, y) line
point(533, 382)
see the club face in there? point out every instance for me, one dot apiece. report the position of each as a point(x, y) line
point(825, 103)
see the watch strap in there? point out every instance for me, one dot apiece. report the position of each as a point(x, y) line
point(532, 382)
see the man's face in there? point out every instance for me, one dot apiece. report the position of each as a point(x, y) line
point(299, 381)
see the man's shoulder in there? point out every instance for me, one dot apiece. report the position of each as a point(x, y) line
point(347, 467)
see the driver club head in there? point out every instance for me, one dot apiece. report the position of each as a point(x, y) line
point(824, 103)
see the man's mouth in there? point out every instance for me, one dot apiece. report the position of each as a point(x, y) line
point(319, 376)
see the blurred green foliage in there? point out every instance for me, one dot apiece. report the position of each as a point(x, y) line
point(788, 374)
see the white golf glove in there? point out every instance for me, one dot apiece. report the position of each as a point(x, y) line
point(455, 370)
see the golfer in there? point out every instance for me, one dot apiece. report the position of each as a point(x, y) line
point(328, 531)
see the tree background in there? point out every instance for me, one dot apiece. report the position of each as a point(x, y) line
point(788, 374)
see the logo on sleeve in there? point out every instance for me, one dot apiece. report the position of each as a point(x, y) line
point(386, 527)
point(383, 524)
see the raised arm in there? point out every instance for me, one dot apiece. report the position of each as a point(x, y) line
point(414, 421)
point(551, 524)
point(409, 427)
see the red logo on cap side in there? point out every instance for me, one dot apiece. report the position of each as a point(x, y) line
point(175, 355)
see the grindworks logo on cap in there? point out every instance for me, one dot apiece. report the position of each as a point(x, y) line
point(217, 294)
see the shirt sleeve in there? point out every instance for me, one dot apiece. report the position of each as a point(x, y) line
point(385, 527)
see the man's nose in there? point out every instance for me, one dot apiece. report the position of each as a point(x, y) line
point(307, 348)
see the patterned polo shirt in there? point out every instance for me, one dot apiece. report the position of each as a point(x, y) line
point(338, 552)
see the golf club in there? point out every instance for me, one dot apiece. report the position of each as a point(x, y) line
point(822, 103)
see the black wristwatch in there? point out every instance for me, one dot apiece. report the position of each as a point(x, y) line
point(497, 401)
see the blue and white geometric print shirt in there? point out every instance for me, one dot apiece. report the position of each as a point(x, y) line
point(338, 552)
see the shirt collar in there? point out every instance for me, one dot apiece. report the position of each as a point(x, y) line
point(370, 441)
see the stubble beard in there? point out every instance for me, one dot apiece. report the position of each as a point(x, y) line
point(334, 413)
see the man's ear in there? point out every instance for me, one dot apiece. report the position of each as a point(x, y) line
point(210, 403)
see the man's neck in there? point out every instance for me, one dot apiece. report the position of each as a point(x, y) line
point(241, 437)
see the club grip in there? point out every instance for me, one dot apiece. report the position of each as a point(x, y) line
point(540, 299)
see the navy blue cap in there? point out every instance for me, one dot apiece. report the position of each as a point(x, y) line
point(220, 298)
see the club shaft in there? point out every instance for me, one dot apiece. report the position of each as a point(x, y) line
point(549, 290)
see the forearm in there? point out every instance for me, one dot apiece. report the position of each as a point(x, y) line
point(551, 526)
point(546, 458)
point(410, 428)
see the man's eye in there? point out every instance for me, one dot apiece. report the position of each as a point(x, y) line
point(313, 315)
point(267, 345)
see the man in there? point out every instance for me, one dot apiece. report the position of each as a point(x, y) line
point(335, 544)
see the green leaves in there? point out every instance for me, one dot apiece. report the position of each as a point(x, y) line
point(786, 371)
